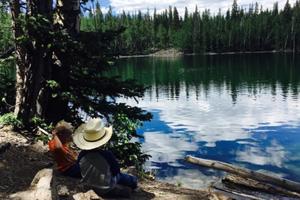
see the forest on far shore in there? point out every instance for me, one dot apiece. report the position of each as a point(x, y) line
point(240, 29)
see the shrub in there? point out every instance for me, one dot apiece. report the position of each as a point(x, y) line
point(122, 143)
point(11, 119)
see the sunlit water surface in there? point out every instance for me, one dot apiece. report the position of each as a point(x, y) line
point(241, 109)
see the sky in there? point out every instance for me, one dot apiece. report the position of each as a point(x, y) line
point(213, 5)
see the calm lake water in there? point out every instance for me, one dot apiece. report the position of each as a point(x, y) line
point(241, 109)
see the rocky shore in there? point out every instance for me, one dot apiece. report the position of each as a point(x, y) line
point(175, 53)
point(164, 53)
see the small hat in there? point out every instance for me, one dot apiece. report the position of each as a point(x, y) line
point(92, 134)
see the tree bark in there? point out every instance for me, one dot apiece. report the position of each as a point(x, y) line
point(33, 62)
point(68, 15)
point(20, 55)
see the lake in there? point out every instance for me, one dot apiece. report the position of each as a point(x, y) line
point(241, 109)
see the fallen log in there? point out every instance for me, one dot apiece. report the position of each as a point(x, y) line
point(234, 181)
point(235, 194)
point(245, 173)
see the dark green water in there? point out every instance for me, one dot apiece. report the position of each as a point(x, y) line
point(242, 109)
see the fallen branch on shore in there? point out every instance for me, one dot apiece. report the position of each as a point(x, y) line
point(246, 173)
point(44, 131)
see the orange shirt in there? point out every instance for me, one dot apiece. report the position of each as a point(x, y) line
point(64, 157)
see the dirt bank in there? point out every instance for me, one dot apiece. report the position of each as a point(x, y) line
point(21, 158)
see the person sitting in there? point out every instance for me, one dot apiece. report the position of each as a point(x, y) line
point(100, 169)
point(59, 145)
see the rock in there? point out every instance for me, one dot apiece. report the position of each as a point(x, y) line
point(168, 53)
point(89, 195)
point(39, 146)
point(40, 188)
point(62, 191)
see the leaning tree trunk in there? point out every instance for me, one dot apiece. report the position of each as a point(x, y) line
point(33, 62)
point(66, 16)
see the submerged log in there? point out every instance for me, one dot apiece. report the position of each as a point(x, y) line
point(235, 194)
point(246, 173)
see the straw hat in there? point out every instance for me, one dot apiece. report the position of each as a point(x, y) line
point(92, 134)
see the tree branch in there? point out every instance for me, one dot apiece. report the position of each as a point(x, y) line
point(8, 53)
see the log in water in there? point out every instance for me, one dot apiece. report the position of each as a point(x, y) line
point(245, 173)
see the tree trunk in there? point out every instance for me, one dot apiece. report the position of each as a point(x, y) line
point(33, 63)
point(20, 55)
point(68, 15)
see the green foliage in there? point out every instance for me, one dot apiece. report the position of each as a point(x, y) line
point(39, 122)
point(123, 145)
point(7, 86)
point(11, 119)
point(52, 84)
point(5, 28)
point(54, 87)
point(72, 73)
point(43, 137)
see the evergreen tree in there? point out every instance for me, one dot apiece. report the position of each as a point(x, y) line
point(238, 30)
point(176, 20)
point(196, 32)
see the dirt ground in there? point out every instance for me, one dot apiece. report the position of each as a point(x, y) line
point(24, 158)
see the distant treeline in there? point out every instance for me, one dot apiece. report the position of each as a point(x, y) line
point(251, 29)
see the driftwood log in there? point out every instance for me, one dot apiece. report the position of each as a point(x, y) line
point(234, 181)
point(245, 173)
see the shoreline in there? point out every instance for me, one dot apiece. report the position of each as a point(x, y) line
point(177, 54)
point(24, 158)
point(21, 158)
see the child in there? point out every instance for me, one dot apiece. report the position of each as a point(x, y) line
point(65, 157)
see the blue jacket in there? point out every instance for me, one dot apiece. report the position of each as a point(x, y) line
point(108, 156)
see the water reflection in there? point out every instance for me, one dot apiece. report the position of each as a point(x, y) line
point(270, 155)
point(241, 109)
point(237, 73)
point(266, 148)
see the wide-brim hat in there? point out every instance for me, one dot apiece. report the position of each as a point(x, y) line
point(92, 134)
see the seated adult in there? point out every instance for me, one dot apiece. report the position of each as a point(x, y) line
point(59, 145)
point(99, 168)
